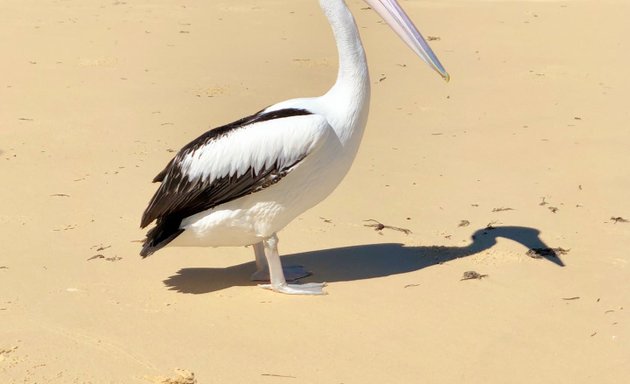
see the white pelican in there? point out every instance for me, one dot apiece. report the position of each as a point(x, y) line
point(239, 184)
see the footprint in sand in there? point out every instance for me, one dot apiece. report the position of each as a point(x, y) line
point(182, 376)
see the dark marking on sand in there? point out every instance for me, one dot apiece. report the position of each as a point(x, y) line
point(378, 226)
point(101, 256)
point(68, 227)
point(472, 275)
point(464, 223)
point(539, 253)
point(619, 219)
point(502, 209)
point(276, 375)
point(489, 227)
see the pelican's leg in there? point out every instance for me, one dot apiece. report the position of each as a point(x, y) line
point(277, 280)
point(262, 271)
point(291, 272)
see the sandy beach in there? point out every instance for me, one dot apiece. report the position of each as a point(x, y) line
point(528, 147)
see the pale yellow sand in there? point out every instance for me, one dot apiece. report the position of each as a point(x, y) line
point(94, 96)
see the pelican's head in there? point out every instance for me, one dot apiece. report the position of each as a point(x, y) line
point(395, 16)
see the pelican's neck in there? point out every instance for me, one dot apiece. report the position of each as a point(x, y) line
point(351, 92)
point(352, 62)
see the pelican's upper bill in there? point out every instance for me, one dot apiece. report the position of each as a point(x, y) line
point(395, 16)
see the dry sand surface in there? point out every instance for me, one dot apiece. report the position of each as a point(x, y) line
point(530, 138)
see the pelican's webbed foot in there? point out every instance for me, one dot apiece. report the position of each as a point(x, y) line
point(297, 289)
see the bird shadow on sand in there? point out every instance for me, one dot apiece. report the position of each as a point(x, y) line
point(361, 261)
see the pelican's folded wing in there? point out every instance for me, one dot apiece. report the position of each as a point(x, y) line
point(227, 163)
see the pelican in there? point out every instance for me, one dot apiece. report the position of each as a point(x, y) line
point(241, 183)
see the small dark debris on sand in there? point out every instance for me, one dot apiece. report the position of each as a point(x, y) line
point(464, 223)
point(571, 298)
point(276, 375)
point(502, 209)
point(472, 275)
point(325, 220)
point(434, 38)
point(411, 285)
point(553, 209)
point(59, 195)
point(378, 226)
point(539, 253)
point(101, 256)
point(68, 227)
point(619, 219)
point(488, 227)
point(100, 247)
point(6, 351)
point(543, 202)
point(4, 267)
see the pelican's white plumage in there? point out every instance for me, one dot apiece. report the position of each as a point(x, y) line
point(241, 183)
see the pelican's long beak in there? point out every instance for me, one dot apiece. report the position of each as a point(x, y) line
point(395, 16)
